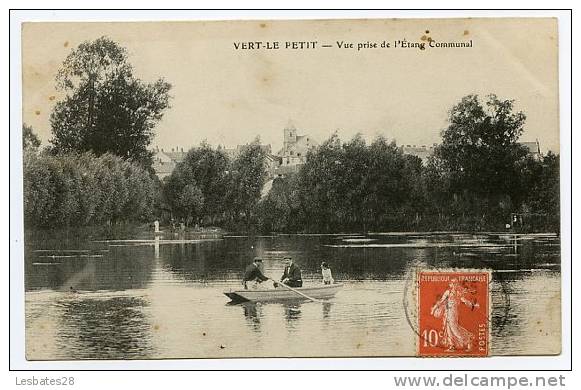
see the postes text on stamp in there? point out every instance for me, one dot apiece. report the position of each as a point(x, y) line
point(453, 313)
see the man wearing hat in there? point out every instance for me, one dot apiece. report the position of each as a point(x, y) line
point(292, 274)
point(254, 272)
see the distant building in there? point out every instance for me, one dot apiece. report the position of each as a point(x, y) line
point(272, 161)
point(534, 148)
point(293, 154)
point(295, 147)
point(164, 162)
point(424, 152)
point(239, 149)
point(272, 164)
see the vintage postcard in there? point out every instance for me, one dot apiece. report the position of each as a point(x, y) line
point(291, 188)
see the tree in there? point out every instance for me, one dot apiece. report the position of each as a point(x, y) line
point(437, 185)
point(277, 211)
point(39, 192)
point(248, 175)
point(479, 149)
point(29, 139)
point(390, 188)
point(320, 201)
point(540, 186)
point(353, 183)
point(81, 189)
point(473, 176)
point(191, 202)
point(106, 108)
point(415, 186)
point(208, 170)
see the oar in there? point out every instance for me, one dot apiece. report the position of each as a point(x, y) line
point(297, 291)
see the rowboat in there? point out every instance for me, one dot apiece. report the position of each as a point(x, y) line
point(324, 291)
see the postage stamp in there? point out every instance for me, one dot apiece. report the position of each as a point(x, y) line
point(453, 313)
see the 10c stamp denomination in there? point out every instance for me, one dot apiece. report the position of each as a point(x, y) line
point(453, 313)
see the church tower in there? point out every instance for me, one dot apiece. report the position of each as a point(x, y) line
point(290, 137)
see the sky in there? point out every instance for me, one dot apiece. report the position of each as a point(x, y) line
point(228, 97)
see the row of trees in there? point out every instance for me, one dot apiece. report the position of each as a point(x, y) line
point(82, 189)
point(97, 168)
point(479, 178)
point(480, 174)
point(345, 186)
point(207, 187)
point(398, 193)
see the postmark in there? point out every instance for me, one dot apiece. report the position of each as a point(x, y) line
point(453, 313)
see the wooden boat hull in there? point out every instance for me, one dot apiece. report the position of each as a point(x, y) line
point(325, 291)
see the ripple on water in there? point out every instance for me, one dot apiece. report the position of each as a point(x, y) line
point(142, 302)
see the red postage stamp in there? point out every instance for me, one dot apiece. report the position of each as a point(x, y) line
point(453, 313)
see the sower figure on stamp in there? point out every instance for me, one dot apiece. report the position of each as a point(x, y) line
point(254, 273)
point(455, 336)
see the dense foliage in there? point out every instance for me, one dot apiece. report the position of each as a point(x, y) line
point(479, 152)
point(197, 188)
point(479, 178)
point(377, 188)
point(207, 187)
point(348, 187)
point(246, 180)
point(99, 170)
point(106, 109)
point(77, 190)
point(353, 186)
point(29, 139)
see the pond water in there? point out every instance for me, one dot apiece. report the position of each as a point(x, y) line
point(147, 297)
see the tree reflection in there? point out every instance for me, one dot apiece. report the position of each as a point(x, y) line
point(113, 328)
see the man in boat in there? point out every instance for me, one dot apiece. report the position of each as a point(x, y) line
point(292, 274)
point(253, 273)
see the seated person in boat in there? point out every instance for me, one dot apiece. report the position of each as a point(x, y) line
point(326, 271)
point(292, 274)
point(253, 273)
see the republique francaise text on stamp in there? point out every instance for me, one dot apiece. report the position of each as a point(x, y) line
point(453, 313)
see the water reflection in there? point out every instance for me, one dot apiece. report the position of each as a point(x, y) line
point(252, 313)
point(156, 247)
point(112, 328)
point(326, 309)
point(292, 313)
point(126, 265)
point(159, 299)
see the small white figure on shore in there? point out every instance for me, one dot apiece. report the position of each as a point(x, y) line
point(326, 271)
point(156, 226)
